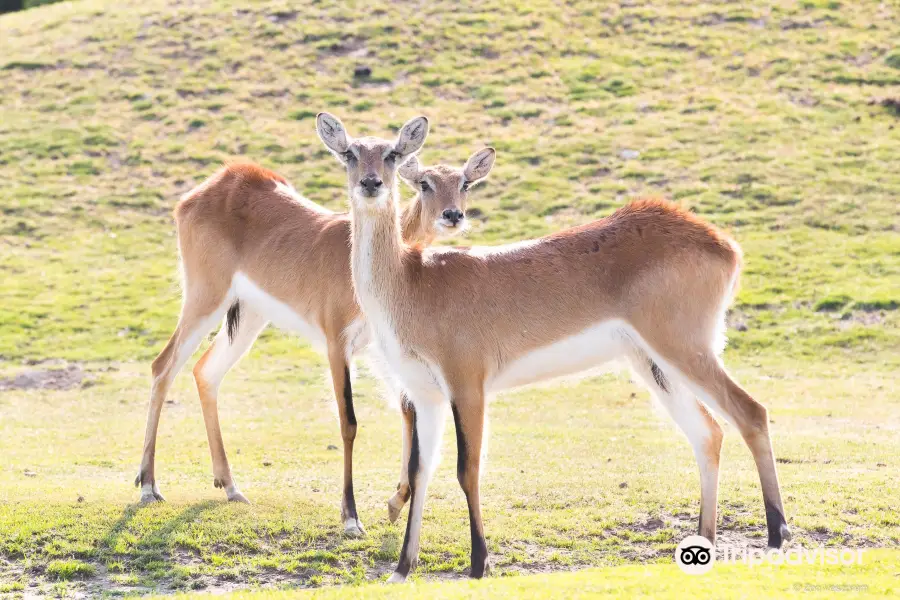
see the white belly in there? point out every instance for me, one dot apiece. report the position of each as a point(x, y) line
point(583, 351)
point(275, 311)
point(420, 379)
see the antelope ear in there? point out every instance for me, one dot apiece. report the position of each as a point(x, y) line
point(412, 136)
point(409, 170)
point(479, 165)
point(332, 132)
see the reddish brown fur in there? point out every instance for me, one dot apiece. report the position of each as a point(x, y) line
point(649, 283)
point(615, 265)
point(471, 313)
point(238, 220)
point(699, 233)
point(252, 172)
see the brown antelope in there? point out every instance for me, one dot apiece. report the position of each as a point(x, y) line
point(254, 251)
point(650, 284)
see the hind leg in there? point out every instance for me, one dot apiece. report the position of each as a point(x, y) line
point(700, 428)
point(225, 351)
point(197, 319)
point(722, 393)
point(706, 376)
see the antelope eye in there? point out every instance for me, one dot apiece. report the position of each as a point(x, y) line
point(465, 186)
point(348, 156)
point(393, 156)
point(424, 185)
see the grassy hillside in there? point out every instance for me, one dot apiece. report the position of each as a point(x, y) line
point(777, 121)
point(760, 119)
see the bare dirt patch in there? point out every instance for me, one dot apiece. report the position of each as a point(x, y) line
point(854, 318)
point(67, 378)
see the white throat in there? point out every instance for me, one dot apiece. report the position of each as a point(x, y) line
point(375, 251)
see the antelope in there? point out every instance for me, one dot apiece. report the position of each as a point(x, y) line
point(254, 251)
point(649, 284)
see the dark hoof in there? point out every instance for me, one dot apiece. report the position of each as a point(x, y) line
point(777, 526)
point(783, 535)
point(483, 571)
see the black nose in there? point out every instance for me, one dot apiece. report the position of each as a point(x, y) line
point(371, 184)
point(454, 215)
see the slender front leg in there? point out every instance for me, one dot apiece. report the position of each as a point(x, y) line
point(468, 416)
point(424, 456)
point(401, 496)
point(343, 392)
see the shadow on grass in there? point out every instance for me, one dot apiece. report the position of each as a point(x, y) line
point(153, 546)
point(154, 550)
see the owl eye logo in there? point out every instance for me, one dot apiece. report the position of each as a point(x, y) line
point(695, 555)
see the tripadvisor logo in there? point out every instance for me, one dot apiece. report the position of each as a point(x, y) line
point(695, 555)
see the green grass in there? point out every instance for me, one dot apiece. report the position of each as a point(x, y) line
point(767, 120)
point(69, 569)
point(876, 577)
point(551, 490)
